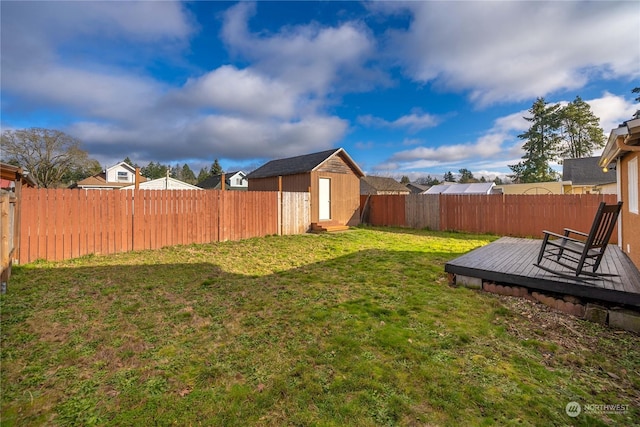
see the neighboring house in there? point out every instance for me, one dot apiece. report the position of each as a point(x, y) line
point(235, 181)
point(117, 176)
point(377, 185)
point(623, 152)
point(166, 183)
point(555, 187)
point(417, 188)
point(584, 176)
point(472, 188)
point(332, 178)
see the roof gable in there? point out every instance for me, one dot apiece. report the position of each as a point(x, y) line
point(302, 164)
point(122, 165)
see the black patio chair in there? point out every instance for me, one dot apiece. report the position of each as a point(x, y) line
point(584, 250)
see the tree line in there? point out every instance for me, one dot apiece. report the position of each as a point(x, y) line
point(55, 159)
point(155, 170)
point(556, 133)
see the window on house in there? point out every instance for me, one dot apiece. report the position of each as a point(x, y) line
point(123, 176)
point(633, 185)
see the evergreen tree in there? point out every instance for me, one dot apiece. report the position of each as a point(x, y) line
point(216, 169)
point(466, 176)
point(428, 181)
point(176, 172)
point(187, 174)
point(483, 179)
point(404, 180)
point(542, 144)
point(636, 90)
point(580, 130)
point(154, 170)
point(203, 174)
point(448, 177)
point(128, 161)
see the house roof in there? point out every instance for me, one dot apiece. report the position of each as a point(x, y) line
point(621, 140)
point(381, 183)
point(417, 188)
point(100, 180)
point(166, 183)
point(472, 188)
point(214, 180)
point(124, 165)
point(585, 171)
point(302, 164)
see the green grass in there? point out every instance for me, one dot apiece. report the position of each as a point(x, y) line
point(358, 328)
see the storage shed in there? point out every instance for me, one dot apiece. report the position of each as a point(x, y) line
point(331, 177)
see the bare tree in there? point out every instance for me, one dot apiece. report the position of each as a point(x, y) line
point(47, 154)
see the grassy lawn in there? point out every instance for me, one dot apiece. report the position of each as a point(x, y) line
point(358, 328)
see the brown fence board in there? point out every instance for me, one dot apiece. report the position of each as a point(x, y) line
point(507, 215)
point(61, 224)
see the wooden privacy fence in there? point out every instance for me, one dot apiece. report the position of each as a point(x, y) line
point(62, 224)
point(507, 215)
point(7, 234)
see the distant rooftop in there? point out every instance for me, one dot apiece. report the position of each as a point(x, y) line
point(585, 171)
point(472, 188)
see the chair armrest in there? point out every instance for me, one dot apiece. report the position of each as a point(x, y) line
point(569, 230)
point(560, 236)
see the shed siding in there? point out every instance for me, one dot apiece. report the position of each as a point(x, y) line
point(345, 197)
point(264, 184)
point(335, 164)
point(630, 221)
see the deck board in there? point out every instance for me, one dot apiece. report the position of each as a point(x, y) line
point(510, 261)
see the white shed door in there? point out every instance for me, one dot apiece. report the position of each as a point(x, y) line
point(324, 199)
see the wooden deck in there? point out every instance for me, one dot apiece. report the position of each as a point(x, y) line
point(510, 261)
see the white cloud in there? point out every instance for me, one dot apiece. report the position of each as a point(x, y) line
point(315, 59)
point(226, 136)
point(510, 51)
point(243, 91)
point(414, 122)
point(612, 110)
point(498, 141)
point(231, 112)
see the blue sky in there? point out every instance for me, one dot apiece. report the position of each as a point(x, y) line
point(416, 88)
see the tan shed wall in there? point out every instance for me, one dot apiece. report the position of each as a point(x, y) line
point(630, 221)
point(264, 184)
point(345, 197)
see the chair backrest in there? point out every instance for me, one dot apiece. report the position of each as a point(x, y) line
point(603, 225)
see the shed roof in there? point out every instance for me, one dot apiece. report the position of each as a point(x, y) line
point(585, 171)
point(381, 183)
point(302, 164)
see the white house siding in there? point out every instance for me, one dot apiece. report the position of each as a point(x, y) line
point(112, 173)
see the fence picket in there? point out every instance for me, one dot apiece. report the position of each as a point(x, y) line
point(60, 224)
point(508, 215)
